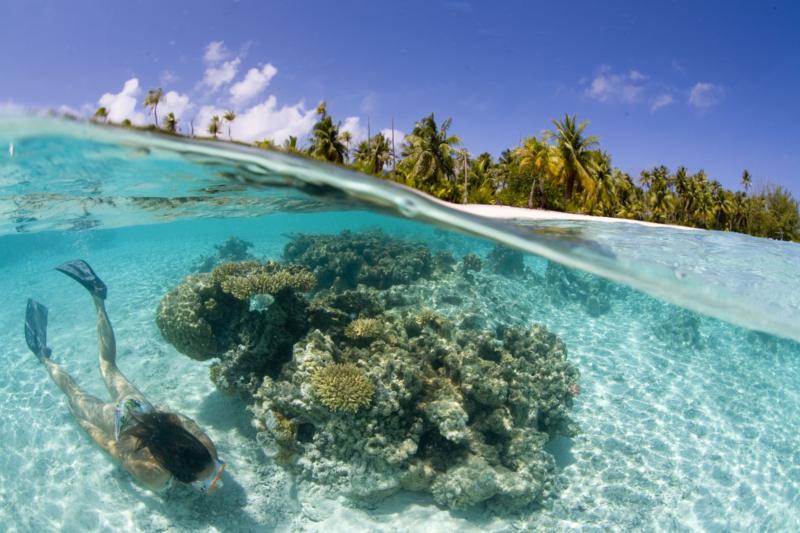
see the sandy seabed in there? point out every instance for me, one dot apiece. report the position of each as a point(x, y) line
point(678, 431)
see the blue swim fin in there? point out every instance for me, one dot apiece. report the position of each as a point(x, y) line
point(81, 272)
point(36, 329)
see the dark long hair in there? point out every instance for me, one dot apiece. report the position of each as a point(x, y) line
point(172, 446)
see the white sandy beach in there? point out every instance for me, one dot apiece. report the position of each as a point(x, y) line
point(521, 213)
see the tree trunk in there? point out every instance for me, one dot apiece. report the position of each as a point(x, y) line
point(155, 113)
point(530, 196)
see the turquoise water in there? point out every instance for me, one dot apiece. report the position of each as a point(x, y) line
point(686, 421)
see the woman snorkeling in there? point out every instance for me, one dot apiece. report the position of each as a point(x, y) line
point(158, 448)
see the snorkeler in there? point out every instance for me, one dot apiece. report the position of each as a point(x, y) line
point(158, 448)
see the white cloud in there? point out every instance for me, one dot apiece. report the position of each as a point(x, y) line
point(399, 138)
point(353, 125)
point(176, 103)
point(368, 102)
point(168, 77)
point(704, 95)
point(122, 105)
point(217, 76)
point(262, 121)
point(215, 52)
point(662, 100)
point(253, 83)
point(10, 108)
point(608, 86)
point(635, 75)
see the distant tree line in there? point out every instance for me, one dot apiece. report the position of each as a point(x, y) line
point(563, 169)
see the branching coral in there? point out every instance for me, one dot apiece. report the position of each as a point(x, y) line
point(342, 387)
point(248, 278)
point(364, 329)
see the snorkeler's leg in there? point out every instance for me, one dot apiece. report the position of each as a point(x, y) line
point(117, 384)
point(82, 405)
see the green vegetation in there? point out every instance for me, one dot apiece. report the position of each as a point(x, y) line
point(563, 170)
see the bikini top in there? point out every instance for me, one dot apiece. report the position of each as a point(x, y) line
point(125, 413)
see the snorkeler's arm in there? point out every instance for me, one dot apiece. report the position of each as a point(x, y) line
point(192, 427)
point(148, 472)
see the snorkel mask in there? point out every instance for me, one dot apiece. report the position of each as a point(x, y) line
point(125, 412)
point(212, 482)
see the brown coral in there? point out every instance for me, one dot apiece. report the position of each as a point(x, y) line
point(342, 387)
point(245, 279)
point(364, 329)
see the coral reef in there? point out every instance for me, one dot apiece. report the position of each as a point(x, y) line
point(233, 249)
point(210, 315)
point(506, 261)
point(390, 375)
point(372, 258)
point(463, 415)
point(566, 285)
point(471, 263)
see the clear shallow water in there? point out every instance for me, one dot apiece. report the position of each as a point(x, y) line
point(686, 422)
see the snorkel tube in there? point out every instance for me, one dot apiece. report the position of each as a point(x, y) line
point(209, 484)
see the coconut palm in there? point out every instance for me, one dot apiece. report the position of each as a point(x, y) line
point(213, 126)
point(463, 164)
point(427, 157)
point(152, 99)
point(322, 108)
point(603, 198)
point(325, 143)
point(101, 113)
point(482, 179)
point(576, 153)
point(229, 117)
point(537, 160)
point(372, 155)
point(747, 181)
point(290, 144)
point(171, 123)
point(346, 137)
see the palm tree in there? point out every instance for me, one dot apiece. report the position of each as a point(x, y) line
point(463, 159)
point(152, 99)
point(326, 144)
point(483, 179)
point(576, 152)
point(213, 126)
point(537, 159)
point(747, 182)
point(266, 144)
point(102, 113)
point(346, 137)
point(290, 144)
point(372, 155)
point(229, 117)
point(171, 123)
point(427, 157)
point(322, 108)
point(603, 198)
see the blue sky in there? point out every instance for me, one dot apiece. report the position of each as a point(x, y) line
point(709, 85)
